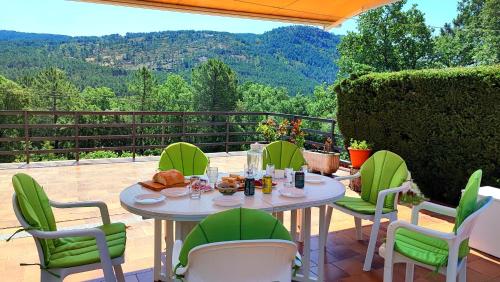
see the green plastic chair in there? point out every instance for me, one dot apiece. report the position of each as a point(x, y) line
point(64, 252)
point(253, 236)
point(283, 154)
point(382, 177)
point(445, 252)
point(185, 157)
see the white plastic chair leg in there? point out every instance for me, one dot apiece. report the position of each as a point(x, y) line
point(462, 274)
point(410, 269)
point(359, 228)
point(388, 265)
point(119, 273)
point(451, 269)
point(47, 277)
point(371, 245)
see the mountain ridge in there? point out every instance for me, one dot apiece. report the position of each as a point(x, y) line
point(294, 57)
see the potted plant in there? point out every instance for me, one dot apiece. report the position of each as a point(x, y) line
point(268, 130)
point(323, 160)
point(359, 151)
point(297, 135)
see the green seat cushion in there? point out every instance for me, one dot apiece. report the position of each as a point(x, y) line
point(184, 157)
point(35, 208)
point(283, 154)
point(359, 205)
point(232, 225)
point(76, 251)
point(422, 248)
point(433, 251)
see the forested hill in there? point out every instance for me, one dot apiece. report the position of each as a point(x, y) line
point(294, 57)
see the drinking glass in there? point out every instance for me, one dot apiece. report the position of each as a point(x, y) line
point(289, 177)
point(213, 174)
point(270, 169)
point(195, 189)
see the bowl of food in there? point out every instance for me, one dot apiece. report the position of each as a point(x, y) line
point(226, 188)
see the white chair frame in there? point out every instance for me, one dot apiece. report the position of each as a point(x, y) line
point(375, 218)
point(214, 261)
point(455, 267)
point(107, 264)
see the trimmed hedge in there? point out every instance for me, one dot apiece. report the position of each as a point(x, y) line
point(444, 122)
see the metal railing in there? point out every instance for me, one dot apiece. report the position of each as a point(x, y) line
point(27, 133)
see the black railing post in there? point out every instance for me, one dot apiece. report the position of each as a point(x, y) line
point(183, 128)
point(133, 136)
point(77, 136)
point(26, 137)
point(227, 133)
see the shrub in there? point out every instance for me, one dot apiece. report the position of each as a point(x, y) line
point(444, 122)
point(99, 155)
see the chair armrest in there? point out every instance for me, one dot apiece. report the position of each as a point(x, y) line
point(384, 193)
point(101, 205)
point(176, 250)
point(433, 208)
point(394, 226)
point(348, 177)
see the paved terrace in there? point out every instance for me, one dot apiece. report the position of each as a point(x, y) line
point(104, 179)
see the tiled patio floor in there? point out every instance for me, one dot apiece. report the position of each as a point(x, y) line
point(104, 181)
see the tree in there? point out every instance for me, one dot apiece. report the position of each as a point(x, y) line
point(323, 102)
point(388, 39)
point(12, 96)
point(53, 91)
point(142, 86)
point(261, 98)
point(98, 99)
point(474, 36)
point(174, 94)
point(214, 86)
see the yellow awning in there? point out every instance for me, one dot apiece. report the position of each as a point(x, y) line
point(325, 13)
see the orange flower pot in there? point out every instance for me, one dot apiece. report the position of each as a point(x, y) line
point(358, 157)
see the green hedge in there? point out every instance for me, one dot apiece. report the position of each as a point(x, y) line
point(444, 122)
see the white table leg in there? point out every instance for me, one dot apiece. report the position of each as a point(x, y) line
point(157, 250)
point(293, 224)
point(322, 243)
point(169, 245)
point(306, 231)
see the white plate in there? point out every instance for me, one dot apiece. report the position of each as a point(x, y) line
point(292, 192)
point(314, 179)
point(175, 192)
point(228, 201)
point(148, 199)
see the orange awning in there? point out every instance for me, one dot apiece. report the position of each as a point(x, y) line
point(325, 13)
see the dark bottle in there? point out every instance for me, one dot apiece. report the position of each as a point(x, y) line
point(249, 186)
point(299, 179)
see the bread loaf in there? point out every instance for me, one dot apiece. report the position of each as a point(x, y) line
point(169, 177)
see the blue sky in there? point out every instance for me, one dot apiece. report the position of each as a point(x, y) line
point(79, 18)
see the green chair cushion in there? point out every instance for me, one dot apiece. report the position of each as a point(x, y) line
point(232, 225)
point(283, 154)
point(382, 170)
point(35, 208)
point(422, 248)
point(432, 251)
point(359, 205)
point(76, 251)
point(185, 157)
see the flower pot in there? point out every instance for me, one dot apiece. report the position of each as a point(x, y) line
point(324, 162)
point(358, 157)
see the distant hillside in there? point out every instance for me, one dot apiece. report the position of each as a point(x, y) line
point(295, 57)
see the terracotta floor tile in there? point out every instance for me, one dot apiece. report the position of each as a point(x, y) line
point(344, 255)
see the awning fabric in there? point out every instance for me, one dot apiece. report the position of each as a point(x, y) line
point(325, 13)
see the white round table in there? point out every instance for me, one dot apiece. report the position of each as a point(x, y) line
point(186, 210)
